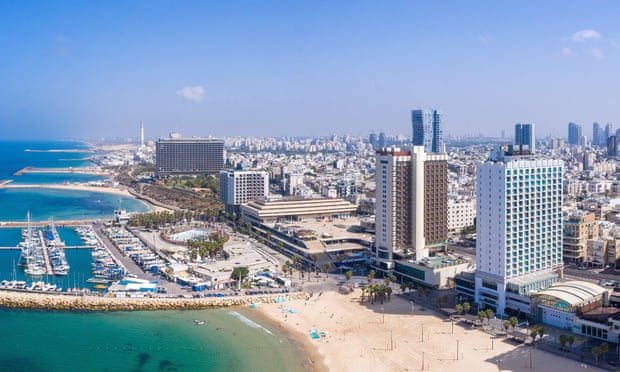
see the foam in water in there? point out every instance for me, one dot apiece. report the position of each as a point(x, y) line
point(249, 322)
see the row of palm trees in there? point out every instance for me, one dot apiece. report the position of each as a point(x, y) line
point(377, 293)
point(211, 247)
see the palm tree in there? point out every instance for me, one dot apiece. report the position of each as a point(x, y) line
point(489, 314)
point(314, 257)
point(534, 333)
point(327, 266)
point(481, 316)
point(604, 348)
point(596, 351)
point(562, 339)
point(458, 308)
point(466, 307)
point(363, 292)
point(571, 340)
point(371, 276)
point(513, 322)
point(348, 275)
point(541, 332)
point(506, 326)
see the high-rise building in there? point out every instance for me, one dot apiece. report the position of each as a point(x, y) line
point(596, 134)
point(578, 228)
point(612, 146)
point(411, 204)
point(372, 139)
point(609, 131)
point(525, 138)
point(239, 187)
point(427, 130)
point(518, 228)
point(382, 142)
point(188, 156)
point(574, 133)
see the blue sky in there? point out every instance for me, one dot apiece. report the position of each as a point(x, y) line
point(95, 69)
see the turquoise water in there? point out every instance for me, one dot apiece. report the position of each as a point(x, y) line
point(140, 341)
point(120, 341)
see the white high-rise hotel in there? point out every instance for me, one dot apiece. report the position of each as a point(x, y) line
point(519, 228)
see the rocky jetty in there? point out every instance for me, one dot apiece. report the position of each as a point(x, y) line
point(41, 301)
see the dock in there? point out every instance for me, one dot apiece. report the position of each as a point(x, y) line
point(97, 171)
point(16, 248)
point(46, 257)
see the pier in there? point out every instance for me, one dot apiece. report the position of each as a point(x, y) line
point(16, 248)
point(46, 257)
point(79, 170)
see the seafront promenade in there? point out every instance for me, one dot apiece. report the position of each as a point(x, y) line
point(79, 302)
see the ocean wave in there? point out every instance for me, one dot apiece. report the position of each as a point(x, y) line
point(249, 322)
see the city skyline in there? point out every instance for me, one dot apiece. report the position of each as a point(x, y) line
point(94, 70)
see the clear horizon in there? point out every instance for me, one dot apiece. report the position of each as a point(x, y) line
point(275, 68)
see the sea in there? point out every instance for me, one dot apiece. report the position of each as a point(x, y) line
point(35, 340)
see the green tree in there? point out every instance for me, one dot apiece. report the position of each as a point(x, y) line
point(513, 322)
point(506, 326)
point(596, 351)
point(327, 266)
point(541, 332)
point(481, 316)
point(604, 348)
point(534, 333)
point(371, 276)
point(466, 307)
point(239, 273)
point(458, 308)
point(563, 339)
point(571, 340)
point(489, 314)
point(348, 275)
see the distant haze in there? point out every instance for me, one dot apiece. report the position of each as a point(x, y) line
point(301, 68)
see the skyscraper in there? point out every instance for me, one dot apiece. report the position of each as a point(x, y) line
point(525, 137)
point(596, 134)
point(519, 229)
point(411, 206)
point(427, 130)
point(574, 133)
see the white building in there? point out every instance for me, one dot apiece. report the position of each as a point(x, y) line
point(241, 187)
point(519, 227)
point(461, 213)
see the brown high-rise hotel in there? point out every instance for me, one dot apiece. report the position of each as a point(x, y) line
point(411, 206)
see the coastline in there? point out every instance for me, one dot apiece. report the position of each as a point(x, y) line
point(388, 337)
point(82, 187)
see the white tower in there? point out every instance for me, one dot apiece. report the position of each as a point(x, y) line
point(141, 134)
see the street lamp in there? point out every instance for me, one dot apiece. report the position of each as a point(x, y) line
point(457, 349)
point(382, 315)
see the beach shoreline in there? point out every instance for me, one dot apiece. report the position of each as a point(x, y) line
point(387, 337)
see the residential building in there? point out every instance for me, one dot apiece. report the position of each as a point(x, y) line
point(578, 228)
point(461, 213)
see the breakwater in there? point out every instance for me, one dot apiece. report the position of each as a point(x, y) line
point(41, 301)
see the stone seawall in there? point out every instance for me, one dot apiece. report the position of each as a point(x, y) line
point(41, 301)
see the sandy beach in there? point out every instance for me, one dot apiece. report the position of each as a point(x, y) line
point(388, 337)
